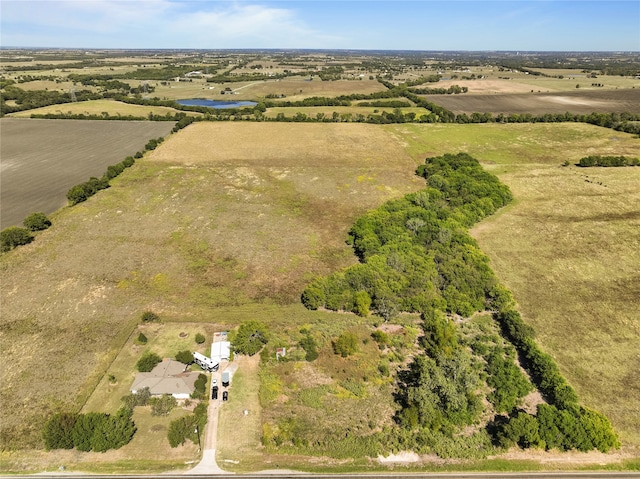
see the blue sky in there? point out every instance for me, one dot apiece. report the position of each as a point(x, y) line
point(575, 25)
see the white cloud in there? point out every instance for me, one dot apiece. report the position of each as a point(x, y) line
point(157, 24)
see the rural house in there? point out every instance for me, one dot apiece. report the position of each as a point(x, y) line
point(168, 377)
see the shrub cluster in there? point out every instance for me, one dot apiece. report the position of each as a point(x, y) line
point(147, 362)
point(597, 160)
point(14, 236)
point(346, 344)
point(89, 432)
point(162, 405)
point(36, 222)
point(185, 427)
point(200, 387)
point(185, 357)
point(140, 398)
point(309, 345)
point(250, 338)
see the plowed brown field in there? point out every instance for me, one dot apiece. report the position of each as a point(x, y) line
point(578, 102)
point(42, 159)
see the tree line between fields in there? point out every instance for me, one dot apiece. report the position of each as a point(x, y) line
point(416, 255)
point(26, 100)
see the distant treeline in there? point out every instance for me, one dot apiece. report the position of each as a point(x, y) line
point(452, 90)
point(597, 160)
point(25, 100)
point(28, 100)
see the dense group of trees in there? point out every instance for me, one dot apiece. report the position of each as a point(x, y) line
point(415, 252)
point(30, 99)
point(89, 432)
point(599, 160)
point(416, 255)
point(452, 90)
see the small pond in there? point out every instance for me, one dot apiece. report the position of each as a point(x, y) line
point(216, 103)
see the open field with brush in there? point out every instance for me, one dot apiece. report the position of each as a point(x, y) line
point(569, 249)
point(225, 215)
point(229, 221)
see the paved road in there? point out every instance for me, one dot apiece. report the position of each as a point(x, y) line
point(465, 475)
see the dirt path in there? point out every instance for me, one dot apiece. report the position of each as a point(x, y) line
point(208, 464)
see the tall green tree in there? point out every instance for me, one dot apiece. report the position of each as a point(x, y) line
point(57, 431)
point(250, 338)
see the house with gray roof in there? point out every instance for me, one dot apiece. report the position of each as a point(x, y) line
point(168, 377)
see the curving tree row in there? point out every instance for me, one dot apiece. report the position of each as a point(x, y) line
point(416, 255)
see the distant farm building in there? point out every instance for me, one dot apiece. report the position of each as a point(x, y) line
point(168, 377)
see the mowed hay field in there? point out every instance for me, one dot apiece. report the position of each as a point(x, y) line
point(568, 248)
point(220, 215)
point(42, 159)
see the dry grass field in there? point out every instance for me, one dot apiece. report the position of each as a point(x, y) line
point(98, 107)
point(220, 215)
point(228, 221)
point(294, 88)
point(580, 101)
point(42, 159)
